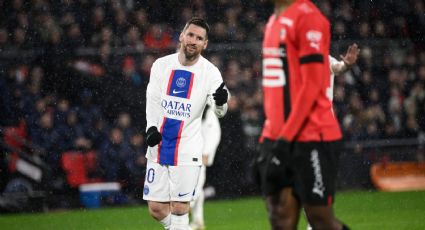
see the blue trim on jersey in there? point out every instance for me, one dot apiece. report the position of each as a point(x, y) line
point(180, 85)
point(170, 133)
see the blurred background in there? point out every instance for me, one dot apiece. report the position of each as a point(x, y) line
point(73, 77)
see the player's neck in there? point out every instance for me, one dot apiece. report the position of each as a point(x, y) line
point(281, 6)
point(185, 61)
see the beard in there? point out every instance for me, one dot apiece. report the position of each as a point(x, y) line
point(191, 54)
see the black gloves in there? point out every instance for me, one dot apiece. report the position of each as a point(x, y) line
point(220, 95)
point(282, 150)
point(153, 137)
point(279, 161)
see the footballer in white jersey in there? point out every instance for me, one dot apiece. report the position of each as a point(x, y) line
point(176, 98)
point(180, 86)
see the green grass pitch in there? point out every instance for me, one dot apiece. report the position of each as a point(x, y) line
point(359, 209)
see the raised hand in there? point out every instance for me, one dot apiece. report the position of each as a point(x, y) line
point(220, 95)
point(351, 55)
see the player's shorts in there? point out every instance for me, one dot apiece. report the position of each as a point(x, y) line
point(164, 183)
point(271, 175)
point(201, 182)
point(315, 165)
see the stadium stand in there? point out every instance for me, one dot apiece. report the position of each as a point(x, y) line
point(68, 69)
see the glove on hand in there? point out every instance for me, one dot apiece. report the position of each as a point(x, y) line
point(282, 150)
point(153, 137)
point(220, 95)
point(278, 160)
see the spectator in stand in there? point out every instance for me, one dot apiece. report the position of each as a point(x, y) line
point(61, 112)
point(111, 156)
point(87, 111)
point(72, 134)
point(98, 133)
point(158, 37)
point(140, 20)
point(124, 122)
point(120, 23)
point(132, 39)
point(135, 164)
point(46, 139)
point(4, 39)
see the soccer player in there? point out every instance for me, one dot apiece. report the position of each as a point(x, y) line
point(270, 189)
point(300, 129)
point(211, 133)
point(180, 87)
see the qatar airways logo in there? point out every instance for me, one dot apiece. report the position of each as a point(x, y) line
point(176, 108)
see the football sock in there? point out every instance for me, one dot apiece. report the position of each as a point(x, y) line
point(179, 222)
point(166, 222)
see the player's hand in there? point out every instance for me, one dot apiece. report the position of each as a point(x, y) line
point(220, 96)
point(351, 55)
point(153, 137)
point(282, 149)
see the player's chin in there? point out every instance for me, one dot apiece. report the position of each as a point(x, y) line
point(191, 53)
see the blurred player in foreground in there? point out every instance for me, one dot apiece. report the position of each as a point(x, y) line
point(300, 139)
point(273, 203)
point(211, 133)
point(180, 87)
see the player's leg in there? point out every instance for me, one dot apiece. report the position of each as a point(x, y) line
point(197, 206)
point(156, 191)
point(316, 166)
point(283, 209)
point(322, 217)
point(276, 181)
point(183, 181)
point(160, 211)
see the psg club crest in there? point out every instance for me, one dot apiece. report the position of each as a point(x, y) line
point(181, 82)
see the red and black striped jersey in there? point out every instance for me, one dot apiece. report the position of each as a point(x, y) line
point(296, 76)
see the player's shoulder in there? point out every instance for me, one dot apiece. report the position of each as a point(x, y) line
point(307, 10)
point(332, 59)
point(208, 64)
point(166, 59)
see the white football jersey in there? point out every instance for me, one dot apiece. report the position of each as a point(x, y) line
point(336, 66)
point(175, 100)
point(336, 69)
point(211, 132)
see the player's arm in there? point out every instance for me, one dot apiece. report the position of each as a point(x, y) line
point(153, 107)
point(218, 94)
point(313, 43)
point(212, 135)
point(347, 60)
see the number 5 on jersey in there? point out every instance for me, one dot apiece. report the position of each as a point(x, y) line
point(273, 74)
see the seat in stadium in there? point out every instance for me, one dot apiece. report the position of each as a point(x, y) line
point(75, 169)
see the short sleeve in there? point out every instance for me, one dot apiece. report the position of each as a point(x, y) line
point(312, 34)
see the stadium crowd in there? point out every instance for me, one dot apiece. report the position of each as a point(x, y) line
point(73, 75)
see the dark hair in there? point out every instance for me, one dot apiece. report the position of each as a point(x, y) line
point(199, 22)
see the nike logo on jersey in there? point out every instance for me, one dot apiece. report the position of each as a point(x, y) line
point(176, 92)
point(184, 194)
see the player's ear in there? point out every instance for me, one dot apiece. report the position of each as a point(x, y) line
point(205, 44)
point(181, 37)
